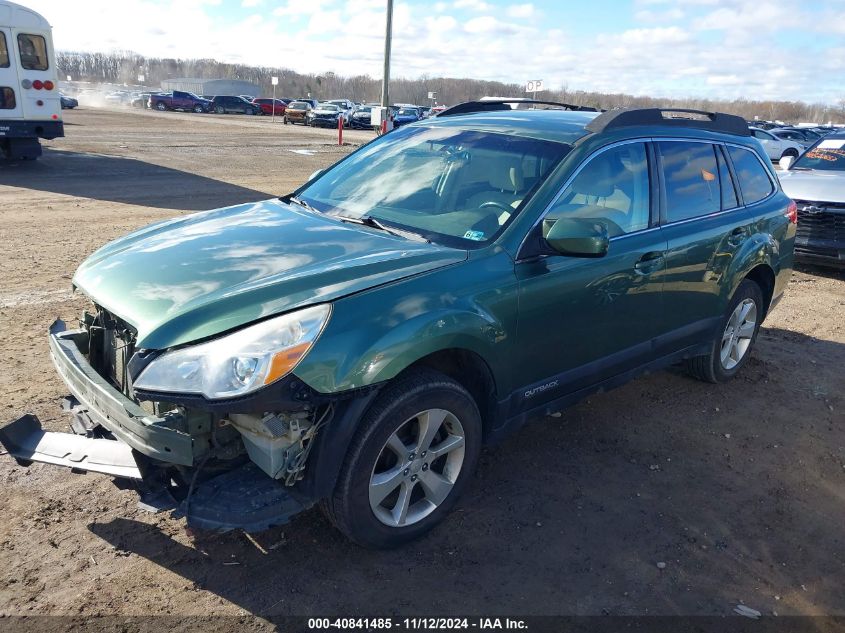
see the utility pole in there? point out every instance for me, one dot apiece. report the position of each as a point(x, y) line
point(385, 92)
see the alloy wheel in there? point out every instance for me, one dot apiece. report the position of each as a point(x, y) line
point(738, 333)
point(417, 468)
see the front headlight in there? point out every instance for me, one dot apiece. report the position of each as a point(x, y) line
point(241, 362)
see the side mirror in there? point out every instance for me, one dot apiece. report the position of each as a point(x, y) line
point(315, 174)
point(577, 237)
point(785, 162)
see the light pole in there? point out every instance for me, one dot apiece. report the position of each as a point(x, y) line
point(275, 82)
point(385, 92)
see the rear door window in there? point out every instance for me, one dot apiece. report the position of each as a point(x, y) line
point(7, 99)
point(33, 49)
point(691, 178)
point(4, 51)
point(754, 181)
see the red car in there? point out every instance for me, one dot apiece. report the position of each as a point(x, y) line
point(268, 105)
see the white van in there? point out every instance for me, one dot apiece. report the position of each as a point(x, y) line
point(30, 104)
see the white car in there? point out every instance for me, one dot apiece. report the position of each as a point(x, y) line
point(775, 147)
point(346, 107)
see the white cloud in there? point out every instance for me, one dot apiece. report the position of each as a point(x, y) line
point(724, 80)
point(520, 10)
point(297, 8)
point(659, 36)
point(472, 5)
point(250, 3)
point(649, 16)
point(488, 24)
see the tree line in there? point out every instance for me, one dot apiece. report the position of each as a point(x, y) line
point(125, 67)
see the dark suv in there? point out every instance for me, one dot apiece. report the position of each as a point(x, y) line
point(233, 105)
point(355, 342)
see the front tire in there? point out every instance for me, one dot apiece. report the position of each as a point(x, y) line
point(736, 335)
point(220, 110)
point(198, 109)
point(414, 452)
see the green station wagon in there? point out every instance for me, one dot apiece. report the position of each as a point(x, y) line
point(355, 343)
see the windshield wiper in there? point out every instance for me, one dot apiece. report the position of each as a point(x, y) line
point(299, 201)
point(368, 220)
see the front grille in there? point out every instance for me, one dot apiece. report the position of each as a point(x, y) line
point(821, 221)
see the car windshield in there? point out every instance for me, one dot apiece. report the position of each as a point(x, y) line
point(452, 186)
point(298, 105)
point(408, 112)
point(328, 107)
point(828, 155)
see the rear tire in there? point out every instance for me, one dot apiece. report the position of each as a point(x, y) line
point(791, 152)
point(429, 477)
point(734, 339)
point(160, 106)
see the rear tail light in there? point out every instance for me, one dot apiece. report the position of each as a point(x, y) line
point(48, 85)
point(38, 84)
point(792, 212)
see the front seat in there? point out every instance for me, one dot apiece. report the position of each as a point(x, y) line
point(507, 183)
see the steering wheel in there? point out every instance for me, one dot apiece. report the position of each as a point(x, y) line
point(498, 205)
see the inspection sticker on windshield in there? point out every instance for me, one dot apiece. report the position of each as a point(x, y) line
point(831, 143)
point(478, 236)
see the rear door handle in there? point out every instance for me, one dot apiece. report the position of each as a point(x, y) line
point(649, 262)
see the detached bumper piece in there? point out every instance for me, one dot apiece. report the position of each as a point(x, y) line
point(243, 498)
point(27, 442)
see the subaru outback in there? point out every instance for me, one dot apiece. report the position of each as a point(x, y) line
point(353, 344)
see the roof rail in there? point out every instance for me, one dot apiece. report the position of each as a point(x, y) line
point(494, 105)
point(671, 117)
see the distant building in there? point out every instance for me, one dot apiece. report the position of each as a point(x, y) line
point(211, 87)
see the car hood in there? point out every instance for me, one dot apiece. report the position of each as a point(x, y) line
point(325, 112)
point(815, 185)
point(199, 275)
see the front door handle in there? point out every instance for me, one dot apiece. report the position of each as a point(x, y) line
point(649, 262)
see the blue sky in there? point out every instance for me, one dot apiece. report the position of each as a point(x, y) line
point(755, 49)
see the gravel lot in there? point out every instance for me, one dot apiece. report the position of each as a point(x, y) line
point(667, 496)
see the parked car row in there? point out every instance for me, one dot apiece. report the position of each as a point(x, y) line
point(781, 141)
point(308, 111)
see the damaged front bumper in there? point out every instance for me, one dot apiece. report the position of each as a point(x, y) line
point(150, 435)
point(116, 436)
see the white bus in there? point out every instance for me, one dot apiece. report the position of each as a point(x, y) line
point(30, 104)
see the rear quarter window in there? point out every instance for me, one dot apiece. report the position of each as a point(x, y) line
point(754, 181)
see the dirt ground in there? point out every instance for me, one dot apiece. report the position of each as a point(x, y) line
point(739, 489)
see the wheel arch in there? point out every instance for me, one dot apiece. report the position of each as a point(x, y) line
point(764, 277)
point(473, 373)
point(756, 261)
